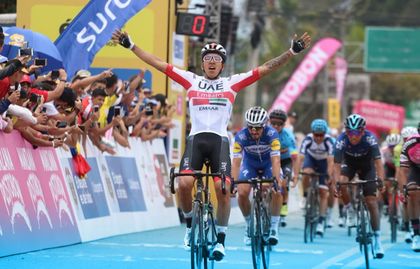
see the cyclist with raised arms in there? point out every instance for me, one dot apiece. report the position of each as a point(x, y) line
point(410, 175)
point(257, 147)
point(357, 151)
point(210, 98)
point(288, 154)
point(316, 154)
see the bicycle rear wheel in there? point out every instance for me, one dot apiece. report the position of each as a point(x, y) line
point(198, 249)
point(393, 218)
point(266, 225)
point(256, 236)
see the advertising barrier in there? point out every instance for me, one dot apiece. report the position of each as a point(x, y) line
point(35, 209)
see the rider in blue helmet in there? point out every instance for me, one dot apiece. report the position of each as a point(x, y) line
point(319, 126)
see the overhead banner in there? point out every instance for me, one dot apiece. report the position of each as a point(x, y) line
point(380, 117)
point(316, 58)
point(340, 76)
point(92, 29)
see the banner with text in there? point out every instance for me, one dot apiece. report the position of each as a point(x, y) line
point(35, 209)
point(316, 58)
point(380, 117)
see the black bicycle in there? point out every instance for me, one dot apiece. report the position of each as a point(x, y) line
point(260, 219)
point(203, 226)
point(393, 208)
point(364, 231)
point(311, 207)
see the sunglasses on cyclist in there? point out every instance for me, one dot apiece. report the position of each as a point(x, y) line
point(212, 57)
point(278, 123)
point(354, 132)
point(319, 134)
point(256, 128)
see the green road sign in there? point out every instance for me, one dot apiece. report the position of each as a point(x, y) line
point(389, 49)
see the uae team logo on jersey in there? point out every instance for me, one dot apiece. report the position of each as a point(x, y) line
point(209, 104)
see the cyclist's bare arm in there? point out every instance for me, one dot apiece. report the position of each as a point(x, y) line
point(296, 169)
point(148, 58)
point(274, 64)
point(379, 169)
point(330, 170)
point(275, 166)
point(236, 164)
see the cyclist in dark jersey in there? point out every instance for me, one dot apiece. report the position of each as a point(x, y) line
point(211, 98)
point(357, 151)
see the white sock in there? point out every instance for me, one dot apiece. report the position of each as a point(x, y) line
point(275, 222)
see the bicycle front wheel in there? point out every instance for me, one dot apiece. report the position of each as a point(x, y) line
point(266, 225)
point(364, 237)
point(308, 219)
point(197, 237)
point(256, 235)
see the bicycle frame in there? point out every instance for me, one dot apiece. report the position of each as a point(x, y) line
point(260, 220)
point(311, 207)
point(203, 228)
point(363, 227)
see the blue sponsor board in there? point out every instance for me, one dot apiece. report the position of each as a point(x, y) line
point(91, 192)
point(126, 181)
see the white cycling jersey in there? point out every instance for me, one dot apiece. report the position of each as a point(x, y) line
point(210, 101)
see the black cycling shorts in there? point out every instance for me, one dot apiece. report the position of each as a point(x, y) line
point(365, 173)
point(209, 146)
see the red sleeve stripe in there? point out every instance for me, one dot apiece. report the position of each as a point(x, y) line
point(246, 82)
point(176, 77)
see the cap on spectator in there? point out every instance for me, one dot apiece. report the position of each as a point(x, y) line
point(147, 90)
point(26, 79)
point(82, 73)
point(292, 114)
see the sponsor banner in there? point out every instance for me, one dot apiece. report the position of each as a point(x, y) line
point(91, 29)
point(35, 209)
point(133, 185)
point(175, 142)
point(380, 117)
point(315, 59)
point(91, 200)
point(334, 119)
point(340, 76)
point(126, 182)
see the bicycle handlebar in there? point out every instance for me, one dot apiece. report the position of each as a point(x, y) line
point(196, 174)
point(313, 174)
point(357, 182)
point(254, 181)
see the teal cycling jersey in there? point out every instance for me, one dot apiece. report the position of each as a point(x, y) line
point(288, 144)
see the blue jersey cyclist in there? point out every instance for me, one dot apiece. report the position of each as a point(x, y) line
point(357, 151)
point(257, 148)
point(288, 154)
point(316, 154)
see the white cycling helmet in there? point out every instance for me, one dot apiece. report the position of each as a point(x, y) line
point(214, 48)
point(408, 131)
point(393, 139)
point(256, 117)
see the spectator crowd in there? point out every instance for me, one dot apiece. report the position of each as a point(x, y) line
point(59, 110)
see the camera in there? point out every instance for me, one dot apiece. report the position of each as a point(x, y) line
point(117, 111)
point(55, 74)
point(26, 52)
point(61, 124)
point(41, 62)
point(149, 110)
point(95, 109)
point(34, 98)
